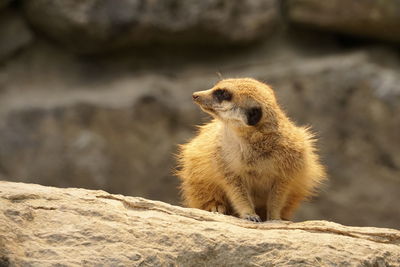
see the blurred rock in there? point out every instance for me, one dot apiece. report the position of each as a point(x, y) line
point(45, 226)
point(85, 142)
point(371, 18)
point(4, 3)
point(94, 26)
point(97, 125)
point(14, 33)
point(353, 104)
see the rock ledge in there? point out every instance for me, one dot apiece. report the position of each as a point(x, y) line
point(46, 226)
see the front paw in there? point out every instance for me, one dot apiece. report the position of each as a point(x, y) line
point(219, 209)
point(216, 207)
point(252, 217)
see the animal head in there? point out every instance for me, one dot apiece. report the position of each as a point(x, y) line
point(242, 102)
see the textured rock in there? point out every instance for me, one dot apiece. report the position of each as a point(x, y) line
point(86, 141)
point(100, 126)
point(97, 25)
point(45, 226)
point(380, 19)
point(14, 33)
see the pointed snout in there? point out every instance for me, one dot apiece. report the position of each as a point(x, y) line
point(195, 97)
point(203, 98)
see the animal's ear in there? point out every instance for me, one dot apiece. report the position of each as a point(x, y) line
point(253, 116)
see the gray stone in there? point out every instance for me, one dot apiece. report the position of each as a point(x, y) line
point(370, 18)
point(97, 25)
point(45, 226)
point(14, 33)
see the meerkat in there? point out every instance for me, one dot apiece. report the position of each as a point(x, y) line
point(251, 160)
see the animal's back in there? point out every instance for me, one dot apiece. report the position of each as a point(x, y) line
point(309, 177)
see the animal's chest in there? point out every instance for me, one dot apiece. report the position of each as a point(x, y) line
point(248, 163)
point(256, 168)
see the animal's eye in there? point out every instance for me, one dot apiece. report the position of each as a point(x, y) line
point(222, 94)
point(253, 115)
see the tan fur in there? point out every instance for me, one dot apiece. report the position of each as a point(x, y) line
point(238, 169)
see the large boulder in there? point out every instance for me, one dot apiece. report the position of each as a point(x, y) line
point(370, 18)
point(97, 25)
point(14, 33)
point(45, 226)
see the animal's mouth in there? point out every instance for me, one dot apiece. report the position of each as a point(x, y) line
point(213, 110)
point(208, 109)
point(207, 104)
point(203, 105)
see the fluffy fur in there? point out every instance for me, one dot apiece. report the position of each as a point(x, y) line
point(251, 160)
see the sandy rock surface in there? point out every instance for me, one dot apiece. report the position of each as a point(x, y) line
point(46, 226)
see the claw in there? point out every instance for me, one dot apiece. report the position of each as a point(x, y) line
point(252, 218)
point(217, 209)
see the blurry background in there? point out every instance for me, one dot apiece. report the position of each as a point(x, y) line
point(97, 93)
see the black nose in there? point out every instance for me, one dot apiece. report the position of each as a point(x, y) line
point(195, 97)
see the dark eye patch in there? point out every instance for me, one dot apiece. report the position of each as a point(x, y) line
point(222, 94)
point(253, 116)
